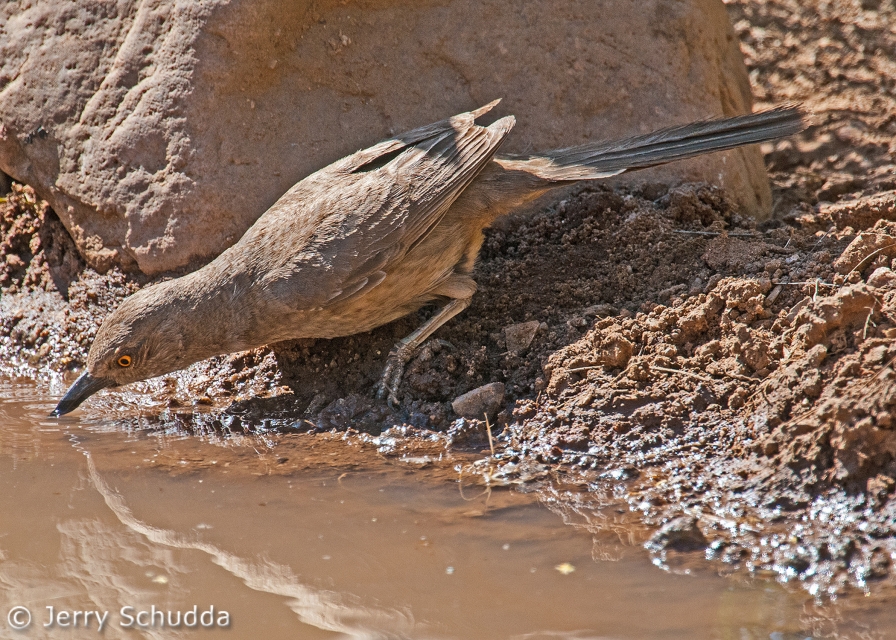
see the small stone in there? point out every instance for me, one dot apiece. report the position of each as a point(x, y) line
point(614, 351)
point(737, 400)
point(485, 400)
point(14, 262)
point(600, 310)
point(880, 486)
point(799, 306)
point(816, 355)
point(679, 534)
point(770, 298)
point(518, 337)
point(867, 246)
point(882, 277)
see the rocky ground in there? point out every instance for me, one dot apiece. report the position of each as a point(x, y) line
point(732, 382)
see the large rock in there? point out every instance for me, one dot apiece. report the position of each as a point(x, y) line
point(160, 130)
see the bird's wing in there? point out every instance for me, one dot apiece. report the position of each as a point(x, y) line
point(379, 154)
point(364, 212)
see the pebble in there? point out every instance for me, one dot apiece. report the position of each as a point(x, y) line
point(518, 337)
point(882, 277)
point(486, 400)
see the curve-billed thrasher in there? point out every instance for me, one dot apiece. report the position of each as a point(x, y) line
point(369, 239)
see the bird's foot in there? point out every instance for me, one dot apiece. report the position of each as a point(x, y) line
point(444, 343)
point(387, 388)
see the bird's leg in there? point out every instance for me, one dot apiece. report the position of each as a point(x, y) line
point(402, 352)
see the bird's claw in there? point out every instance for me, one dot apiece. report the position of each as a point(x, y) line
point(387, 387)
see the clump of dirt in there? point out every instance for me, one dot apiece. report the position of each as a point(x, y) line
point(49, 303)
point(19, 222)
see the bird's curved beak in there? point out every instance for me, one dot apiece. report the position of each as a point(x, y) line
point(85, 386)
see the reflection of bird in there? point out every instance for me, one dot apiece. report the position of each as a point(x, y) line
point(369, 239)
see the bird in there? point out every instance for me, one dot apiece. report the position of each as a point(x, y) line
point(371, 238)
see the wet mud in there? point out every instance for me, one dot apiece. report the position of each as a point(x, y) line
point(731, 382)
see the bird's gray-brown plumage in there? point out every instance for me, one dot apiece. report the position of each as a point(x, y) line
point(369, 239)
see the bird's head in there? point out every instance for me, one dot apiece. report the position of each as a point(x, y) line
point(141, 339)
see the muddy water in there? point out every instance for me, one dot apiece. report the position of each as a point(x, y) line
point(99, 517)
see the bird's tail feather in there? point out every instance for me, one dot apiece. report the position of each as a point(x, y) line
point(602, 160)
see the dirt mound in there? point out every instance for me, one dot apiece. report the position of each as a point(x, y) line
point(753, 404)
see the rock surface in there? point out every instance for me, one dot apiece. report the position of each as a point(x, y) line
point(159, 131)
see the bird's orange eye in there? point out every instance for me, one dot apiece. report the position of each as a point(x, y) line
point(124, 361)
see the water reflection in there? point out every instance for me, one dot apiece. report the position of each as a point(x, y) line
point(319, 608)
point(98, 517)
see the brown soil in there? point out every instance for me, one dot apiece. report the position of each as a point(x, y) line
point(733, 383)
